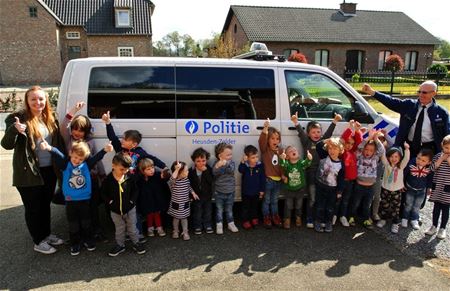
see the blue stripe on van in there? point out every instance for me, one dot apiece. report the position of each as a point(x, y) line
point(393, 132)
point(382, 124)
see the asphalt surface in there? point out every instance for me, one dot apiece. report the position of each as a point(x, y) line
point(348, 258)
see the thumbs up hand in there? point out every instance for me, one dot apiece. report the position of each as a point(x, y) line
point(106, 118)
point(20, 126)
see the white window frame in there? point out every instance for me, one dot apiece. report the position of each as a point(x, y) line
point(123, 24)
point(72, 35)
point(382, 57)
point(321, 57)
point(411, 58)
point(289, 52)
point(121, 51)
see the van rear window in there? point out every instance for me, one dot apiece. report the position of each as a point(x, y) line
point(182, 92)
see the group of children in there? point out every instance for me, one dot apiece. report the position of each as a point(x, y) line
point(340, 178)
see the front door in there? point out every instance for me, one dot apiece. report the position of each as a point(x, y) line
point(354, 62)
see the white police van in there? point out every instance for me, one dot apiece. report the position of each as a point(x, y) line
point(179, 104)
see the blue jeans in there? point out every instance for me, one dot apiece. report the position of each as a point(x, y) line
point(271, 197)
point(224, 201)
point(325, 203)
point(363, 196)
point(413, 201)
point(342, 203)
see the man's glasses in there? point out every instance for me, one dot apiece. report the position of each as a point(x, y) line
point(424, 92)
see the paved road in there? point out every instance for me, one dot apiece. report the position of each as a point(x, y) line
point(260, 259)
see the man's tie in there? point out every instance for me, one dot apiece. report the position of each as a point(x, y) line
point(417, 138)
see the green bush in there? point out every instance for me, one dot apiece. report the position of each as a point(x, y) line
point(356, 77)
point(437, 71)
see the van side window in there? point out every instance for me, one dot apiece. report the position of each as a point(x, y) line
point(132, 92)
point(315, 96)
point(225, 93)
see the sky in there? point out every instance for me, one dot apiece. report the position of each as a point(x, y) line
point(201, 18)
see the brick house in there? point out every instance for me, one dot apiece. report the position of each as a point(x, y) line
point(39, 37)
point(342, 39)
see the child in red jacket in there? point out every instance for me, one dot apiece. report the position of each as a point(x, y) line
point(351, 139)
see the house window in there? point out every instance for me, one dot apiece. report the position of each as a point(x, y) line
point(123, 18)
point(321, 58)
point(33, 11)
point(235, 28)
point(125, 51)
point(411, 61)
point(382, 56)
point(288, 52)
point(74, 52)
point(72, 35)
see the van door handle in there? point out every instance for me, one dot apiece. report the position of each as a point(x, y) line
point(260, 127)
point(292, 128)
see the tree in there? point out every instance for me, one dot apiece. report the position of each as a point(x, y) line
point(298, 57)
point(394, 63)
point(443, 50)
point(225, 47)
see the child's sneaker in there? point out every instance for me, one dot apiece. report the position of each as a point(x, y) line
point(255, 222)
point(344, 221)
point(139, 248)
point(376, 217)
point(151, 231)
point(75, 250)
point(219, 228)
point(142, 238)
point(90, 246)
point(404, 222)
point(368, 223)
point(334, 219)
point(298, 221)
point(160, 231)
point(441, 233)
point(394, 227)
point(432, 230)
point(185, 236)
point(267, 221)
point(276, 220)
point(415, 224)
point(352, 221)
point(309, 222)
point(247, 225)
point(287, 223)
point(318, 227)
point(198, 231)
point(381, 223)
point(328, 227)
point(175, 234)
point(232, 227)
point(44, 248)
point(54, 240)
point(209, 230)
point(116, 250)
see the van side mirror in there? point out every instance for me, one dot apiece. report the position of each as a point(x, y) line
point(360, 114)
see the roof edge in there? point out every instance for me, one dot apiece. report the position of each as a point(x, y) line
point(50, 11)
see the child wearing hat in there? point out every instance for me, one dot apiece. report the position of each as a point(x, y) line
point(392, 186)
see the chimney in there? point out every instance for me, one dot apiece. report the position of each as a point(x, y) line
point(348, 9)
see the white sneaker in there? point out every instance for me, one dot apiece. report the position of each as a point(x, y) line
point(344, 221)
point(376, 217)
point(219, 228)
point(232, 227)
point(53, 240)
point(404, 222)
point(432, 230)
point(334, 219)
point(394, 228)
point(441, 233)
point(381, 223)
point(415, 224)
point(45, 248)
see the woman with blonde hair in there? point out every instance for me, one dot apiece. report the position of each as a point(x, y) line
point(33, 172)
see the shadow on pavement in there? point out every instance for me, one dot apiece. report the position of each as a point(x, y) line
point(257, 251)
